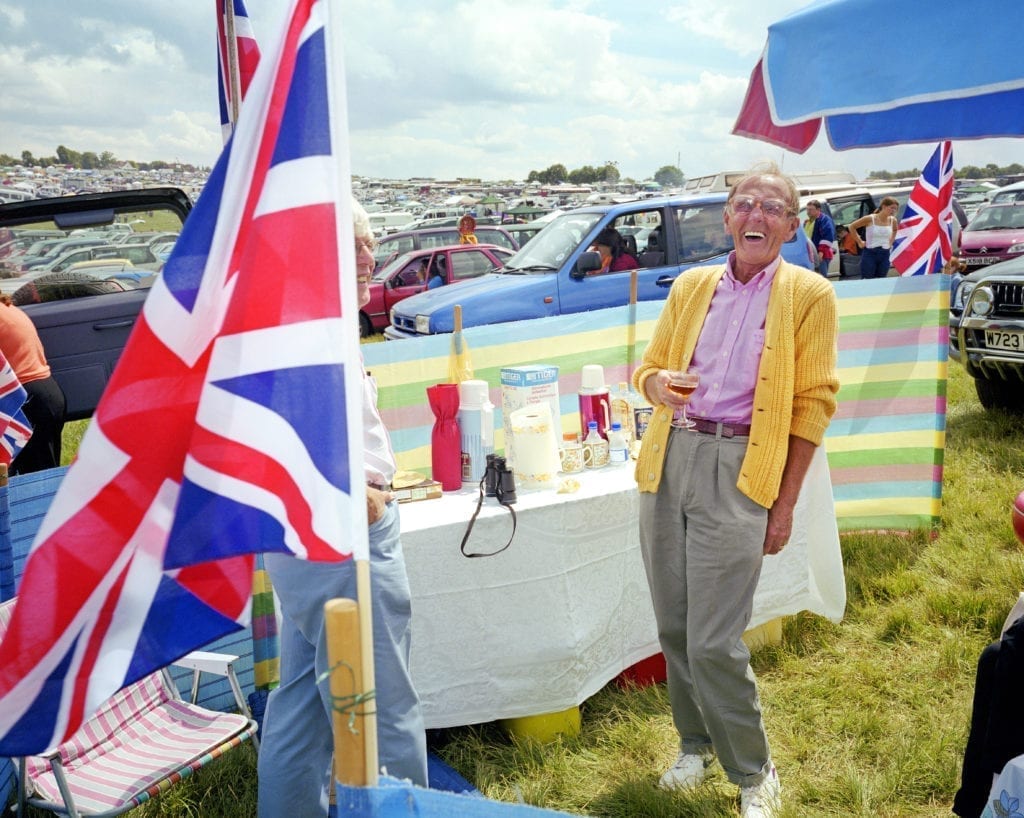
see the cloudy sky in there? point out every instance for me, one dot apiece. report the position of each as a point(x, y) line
point(436, 88)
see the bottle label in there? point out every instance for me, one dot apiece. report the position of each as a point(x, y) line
point(642, 416)
point(595, 453)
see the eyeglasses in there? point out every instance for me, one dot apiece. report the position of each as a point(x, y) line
point(770, 208)
point(365, 244)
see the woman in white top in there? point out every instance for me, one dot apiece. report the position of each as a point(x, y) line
point(879, 234)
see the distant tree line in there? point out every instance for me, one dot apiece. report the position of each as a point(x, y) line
point(84, 160)
point(608, 173)
point(990, 171)
point(672, 176)
point(587, 175)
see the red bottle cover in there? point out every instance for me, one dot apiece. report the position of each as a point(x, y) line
point(445, 439)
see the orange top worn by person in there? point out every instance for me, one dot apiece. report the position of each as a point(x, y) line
point(847, 241)
point(467, 226)
point(45, 405)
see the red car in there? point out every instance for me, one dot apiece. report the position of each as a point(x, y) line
point(408, 274)
point(996, 233)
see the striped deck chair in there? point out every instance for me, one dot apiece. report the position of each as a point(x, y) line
point(144, 740)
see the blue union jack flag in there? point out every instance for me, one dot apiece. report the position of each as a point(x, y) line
point(15, 429)
point(924, 241)
point(224, 430)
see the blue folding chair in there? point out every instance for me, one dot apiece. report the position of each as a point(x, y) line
point(24, 499)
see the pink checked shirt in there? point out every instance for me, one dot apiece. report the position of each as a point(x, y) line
point(728, 351)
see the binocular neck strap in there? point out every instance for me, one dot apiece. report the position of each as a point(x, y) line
point(472, 520)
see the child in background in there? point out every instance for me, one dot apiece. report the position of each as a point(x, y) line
point(847, 241)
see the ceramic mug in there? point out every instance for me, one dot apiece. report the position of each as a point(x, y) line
point(595, 454)
point(571, 457)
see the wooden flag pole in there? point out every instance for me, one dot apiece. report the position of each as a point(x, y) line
point(368, 707)
point(334, 55)
point(341, 621)
point(631, 328)
point(234, 81)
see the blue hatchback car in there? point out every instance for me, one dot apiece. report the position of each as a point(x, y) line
point(554, 274)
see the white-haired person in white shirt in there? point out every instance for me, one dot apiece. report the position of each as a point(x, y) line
point(297, 746)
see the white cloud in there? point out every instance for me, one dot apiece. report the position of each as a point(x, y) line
point(437, 88)
point(12, 17)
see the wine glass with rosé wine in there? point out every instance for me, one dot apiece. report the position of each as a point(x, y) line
point(683, 384)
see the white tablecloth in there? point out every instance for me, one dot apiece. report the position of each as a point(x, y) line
point(547, 623)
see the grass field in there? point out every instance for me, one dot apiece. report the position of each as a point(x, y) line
point(866, 718)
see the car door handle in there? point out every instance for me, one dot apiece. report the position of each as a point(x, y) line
point(127, 322)
point(665, 281)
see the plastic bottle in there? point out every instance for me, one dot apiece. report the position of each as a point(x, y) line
point(595, 448)
point(476, 427)
point(594, 403)
point(618, 447)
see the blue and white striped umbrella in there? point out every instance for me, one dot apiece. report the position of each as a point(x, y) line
point(878, 73)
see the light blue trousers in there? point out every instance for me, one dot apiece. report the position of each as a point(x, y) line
point(702, 543)
point(297, 746)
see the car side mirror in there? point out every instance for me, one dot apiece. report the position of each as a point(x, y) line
point(586, 264)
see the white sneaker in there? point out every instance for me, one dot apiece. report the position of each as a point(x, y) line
point(762, 800)
point(688, 771)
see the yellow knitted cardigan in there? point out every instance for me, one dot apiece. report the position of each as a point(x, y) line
point(796, 381)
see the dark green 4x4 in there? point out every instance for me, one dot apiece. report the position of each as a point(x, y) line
point(986, 333)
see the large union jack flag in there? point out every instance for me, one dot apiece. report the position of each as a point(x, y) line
point(237, 59)
point(223, 429)
point(924, 241)
point(15, 429)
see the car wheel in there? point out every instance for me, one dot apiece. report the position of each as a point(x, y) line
point(58, 286)
point(365, 327)
point(1000, 395)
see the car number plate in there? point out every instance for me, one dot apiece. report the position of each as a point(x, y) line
point(983, 260)
point(997, 339)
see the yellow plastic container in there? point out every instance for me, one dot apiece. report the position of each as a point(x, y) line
point(545, 727)
point(770, 633)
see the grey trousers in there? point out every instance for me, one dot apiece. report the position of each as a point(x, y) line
point(702, 544)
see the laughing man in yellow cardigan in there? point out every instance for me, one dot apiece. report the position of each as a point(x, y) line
point(716, 499)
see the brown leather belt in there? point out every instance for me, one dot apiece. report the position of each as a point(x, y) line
point(713, 427)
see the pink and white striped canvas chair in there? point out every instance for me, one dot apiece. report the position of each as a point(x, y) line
point(142, 741)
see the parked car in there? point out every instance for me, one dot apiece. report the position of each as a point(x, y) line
point(117, 268)
point(986, 333)
point(59, 250)
point(400, 278)
point(1007, 193)
point(84, 331)
point(556, 274)
point(427, 237)
point(996, 233)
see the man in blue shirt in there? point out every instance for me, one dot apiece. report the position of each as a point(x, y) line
point(823, 235)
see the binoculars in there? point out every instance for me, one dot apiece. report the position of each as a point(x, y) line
point(499, 481)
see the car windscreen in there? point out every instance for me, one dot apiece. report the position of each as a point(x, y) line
point(998, 217)
point(395, 264)
point(549, 249)
point(78, 229)
point(1008, 196)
